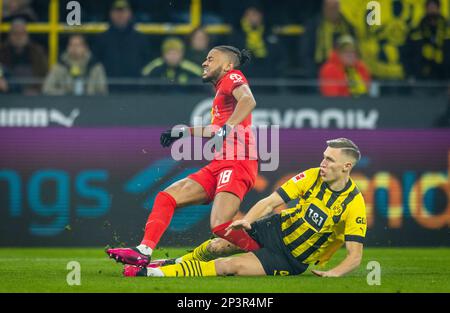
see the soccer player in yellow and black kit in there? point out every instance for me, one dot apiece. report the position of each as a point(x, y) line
point(329, 212)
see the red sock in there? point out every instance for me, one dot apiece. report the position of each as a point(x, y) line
point(159, 219)
point(238, 237)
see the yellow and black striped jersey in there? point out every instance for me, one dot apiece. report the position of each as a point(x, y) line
point(322, 219)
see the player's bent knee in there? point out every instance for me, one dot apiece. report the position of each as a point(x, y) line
point(218, 222)
point(181, 191)
point(175, 188)
point(173, 192)
point(219, 247)
point(214, 246)
point(169, 196)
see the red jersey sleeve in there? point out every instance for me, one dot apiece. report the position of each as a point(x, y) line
point(233, 80)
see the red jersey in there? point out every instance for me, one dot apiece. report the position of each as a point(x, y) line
point(224, 104)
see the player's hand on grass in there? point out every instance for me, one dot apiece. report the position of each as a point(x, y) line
point(324, 273)
point(171, 135)
point(238, 224)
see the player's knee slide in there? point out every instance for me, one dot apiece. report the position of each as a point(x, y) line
point(219, 246)
point(212, 246)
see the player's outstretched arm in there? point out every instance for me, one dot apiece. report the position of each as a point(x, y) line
point(260, 209)
point(171, 135)
point(351, 261)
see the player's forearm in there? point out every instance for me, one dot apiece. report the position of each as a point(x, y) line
point(351, 262)
point(200, 131)
point(244, 107)
point(260, 209)
point(196, 131)
point(206, 132)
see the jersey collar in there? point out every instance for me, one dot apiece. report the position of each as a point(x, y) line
point(347, 186)
point(220, 80)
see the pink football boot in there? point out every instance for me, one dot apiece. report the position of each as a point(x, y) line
point(130, 256)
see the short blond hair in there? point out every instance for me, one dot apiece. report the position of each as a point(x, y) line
point(347, 146)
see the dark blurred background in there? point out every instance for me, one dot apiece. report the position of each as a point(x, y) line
point(319, 47)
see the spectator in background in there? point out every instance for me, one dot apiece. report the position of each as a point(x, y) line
point(427, 51)
point(171, 66)
point(320, 36)
point(18, 9)
point(3, 82)
point(381, 45)
point(343, 74)
point(198, 46)
point(23, 59)
point(121, 49)
point(77, 72)
point(256, 36)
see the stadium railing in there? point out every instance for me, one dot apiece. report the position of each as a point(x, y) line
point(54, 28)
point(269, 85)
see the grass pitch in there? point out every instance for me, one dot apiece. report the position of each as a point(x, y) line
point(44, 270)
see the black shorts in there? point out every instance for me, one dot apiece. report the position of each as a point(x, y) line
point(273, 255)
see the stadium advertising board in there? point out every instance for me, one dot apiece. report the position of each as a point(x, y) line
point(95, 186)
point(288, 111)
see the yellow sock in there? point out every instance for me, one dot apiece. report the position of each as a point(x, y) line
point(189, 269)
point(200, 253)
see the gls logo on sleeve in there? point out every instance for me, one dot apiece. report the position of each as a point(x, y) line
point(360, 220)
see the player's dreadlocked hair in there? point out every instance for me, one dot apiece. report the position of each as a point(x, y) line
point(242, 57)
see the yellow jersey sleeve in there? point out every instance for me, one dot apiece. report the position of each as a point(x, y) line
point(355, 220)
point(298, 185)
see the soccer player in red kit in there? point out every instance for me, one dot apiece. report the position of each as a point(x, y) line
point(224, 181)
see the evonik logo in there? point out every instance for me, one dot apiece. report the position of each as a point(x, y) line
point(298, 118)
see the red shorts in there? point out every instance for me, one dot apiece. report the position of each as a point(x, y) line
point(235, 176)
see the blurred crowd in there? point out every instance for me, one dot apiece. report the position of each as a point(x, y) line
point(345, 57)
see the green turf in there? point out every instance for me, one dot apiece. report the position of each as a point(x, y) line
point(44, 270)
